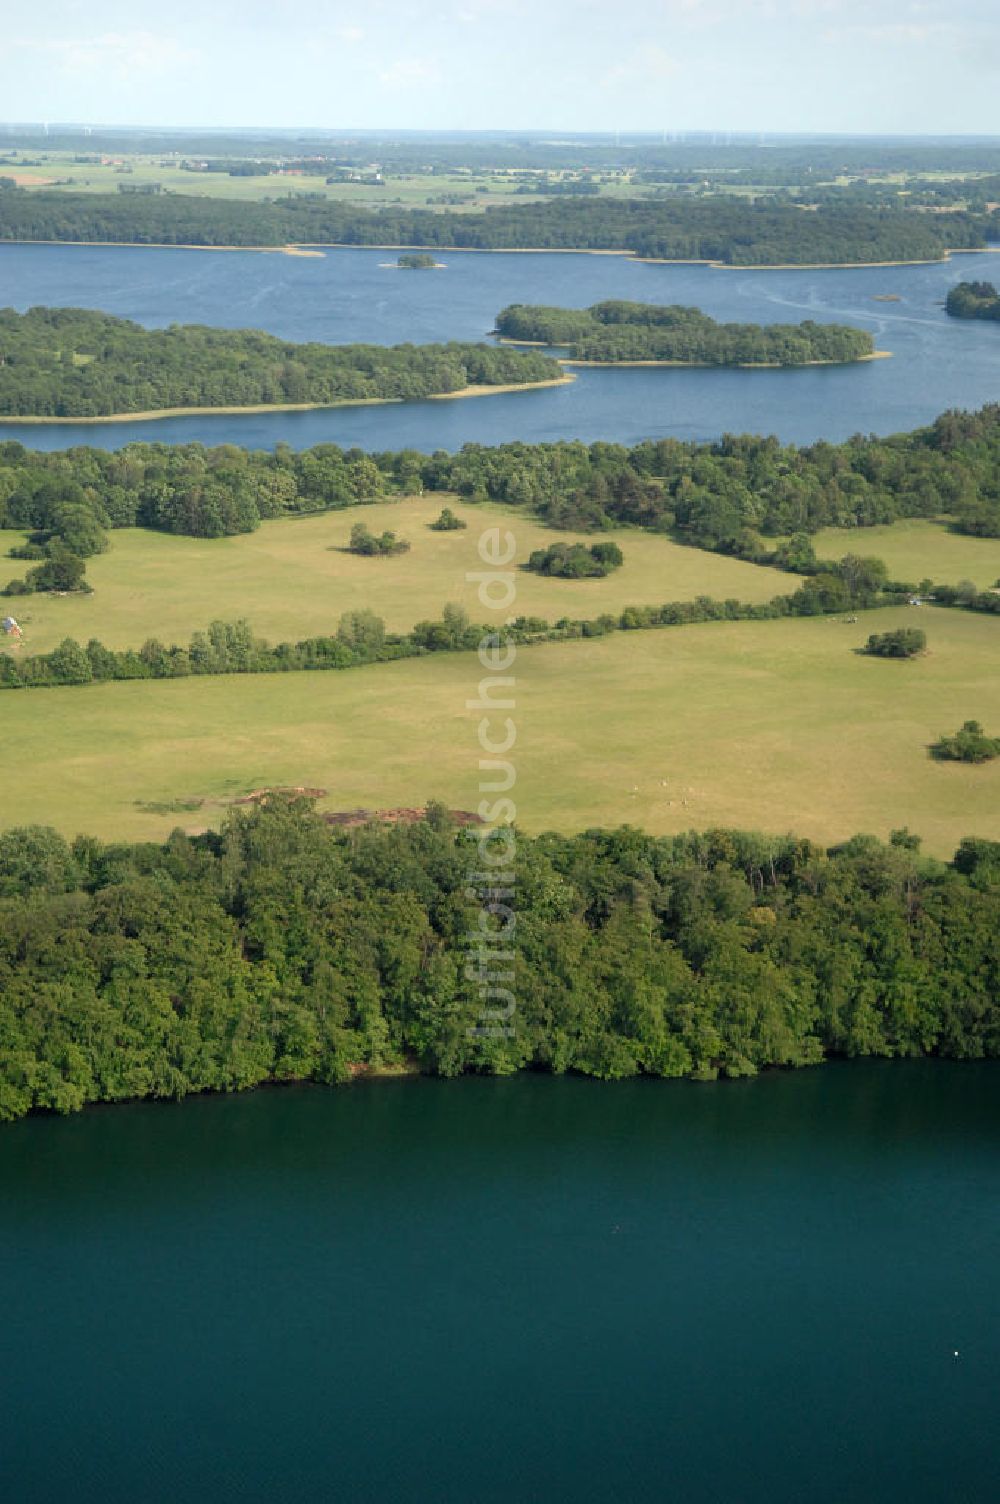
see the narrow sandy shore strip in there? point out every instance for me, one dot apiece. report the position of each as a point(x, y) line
point(732, 365)
point(514, 386)
point(291, 407)
point(319, 247)
point(181, 245)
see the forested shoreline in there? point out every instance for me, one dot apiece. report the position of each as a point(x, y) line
point(621, 332)
point(737, 494)
point(720, 229)
point(282, 949)
point(73, 362)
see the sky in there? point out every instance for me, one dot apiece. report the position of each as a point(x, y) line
point(854, 66)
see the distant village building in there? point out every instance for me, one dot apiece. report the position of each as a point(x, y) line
point(10, 627)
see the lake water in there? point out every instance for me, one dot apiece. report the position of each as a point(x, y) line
point(348, 295)
point(529, 1289)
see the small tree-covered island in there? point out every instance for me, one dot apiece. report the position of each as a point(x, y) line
point(624, 333)
point(417, 261)
point(973, 300)
point(74, 363)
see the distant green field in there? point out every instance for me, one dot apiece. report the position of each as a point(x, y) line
point(916, 550)
point(475, 190)
point(775, 725)
point(292, 578)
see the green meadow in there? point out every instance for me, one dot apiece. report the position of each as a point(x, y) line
point(916, 550)
point(776, 725)
point(293, 577)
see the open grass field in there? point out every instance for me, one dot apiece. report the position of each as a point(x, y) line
point(770, 725)
point(293, 579)
point(916, 550)
point(463, 190)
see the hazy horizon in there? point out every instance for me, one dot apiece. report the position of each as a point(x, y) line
point(814, 67)
point(265, 130)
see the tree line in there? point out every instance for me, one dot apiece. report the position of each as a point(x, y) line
point(282, 948)
point(853, 583)
point(734, 231)
point(696, 153)
point(73, 362)
point(741, 494)
point(617, 331)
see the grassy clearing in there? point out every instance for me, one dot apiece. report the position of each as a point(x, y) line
point(774, 725)
point(292, 579)
point(916, 550)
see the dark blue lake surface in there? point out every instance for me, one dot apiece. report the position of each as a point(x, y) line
point(348, 295)
point(530, 1289)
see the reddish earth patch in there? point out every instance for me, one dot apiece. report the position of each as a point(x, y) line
point(353, 817)
point(261, 796)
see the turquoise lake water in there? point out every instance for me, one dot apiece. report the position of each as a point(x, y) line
point(349, 295)
point(530, 1289)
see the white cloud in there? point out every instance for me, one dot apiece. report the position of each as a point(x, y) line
point(892, 32)
point(471, 11)
point(118, 54)
point(649, 64)
point(351, 33)
point(406, 72)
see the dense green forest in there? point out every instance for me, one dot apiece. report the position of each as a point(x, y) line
point(729, 230)
point(284, 949)
point(71, 362)
point(973, 300)
point(619, 331)
point(739, 494)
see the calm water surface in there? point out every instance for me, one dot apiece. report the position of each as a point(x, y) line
point(510, 1290)
point(350, 295)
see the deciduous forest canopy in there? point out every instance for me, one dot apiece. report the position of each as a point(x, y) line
point(72, 362)
point(620, 331)
point(973, 300)
point(728, 230)
point(282, 949)
point(733, 494)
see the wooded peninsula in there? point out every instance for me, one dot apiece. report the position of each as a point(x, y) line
point(621, 333)
point(72, 362)
point(730, 231)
